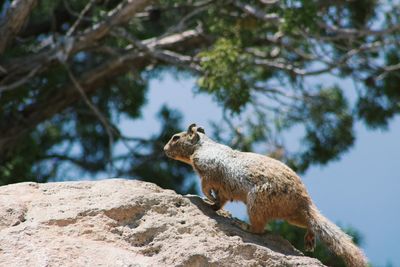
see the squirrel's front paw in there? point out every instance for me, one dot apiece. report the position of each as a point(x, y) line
point(216, 206)
point(213, 204)
point(208, 201)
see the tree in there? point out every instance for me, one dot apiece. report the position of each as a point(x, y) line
point(70, 69)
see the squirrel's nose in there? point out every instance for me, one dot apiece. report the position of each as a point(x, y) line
point(166, 147)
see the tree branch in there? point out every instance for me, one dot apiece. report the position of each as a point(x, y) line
point(19, 82)
point(86, 165)
point(80, 17)
point(120, 15)
point(66, 47)
point(104, 121)
point(14, 20)
point(351, 33)
point(253, 11)
point(164, 55)
point(14, 128)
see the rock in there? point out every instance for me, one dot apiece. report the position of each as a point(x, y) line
point(120, 222)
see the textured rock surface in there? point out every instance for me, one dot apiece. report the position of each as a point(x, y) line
point(126, 223)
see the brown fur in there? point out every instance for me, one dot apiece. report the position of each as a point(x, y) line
point(269, 188)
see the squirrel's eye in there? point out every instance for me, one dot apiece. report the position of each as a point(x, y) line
point(175, 138)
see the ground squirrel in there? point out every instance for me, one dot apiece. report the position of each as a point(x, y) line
point(269, 188)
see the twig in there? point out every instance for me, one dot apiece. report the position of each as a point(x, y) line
point(79, 19)
point(257, 13)
point(74, 13)
point(281, 66)
point(19, 82)
point(109, 129)
point(349, 33)
point(388, 69)
point(3, 70)
point(180, 25)
point(269, 2)
point(164, 55)
point(276, 91)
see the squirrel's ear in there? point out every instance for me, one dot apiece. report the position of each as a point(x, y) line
point(201, 130)
point(191, 128)
point(195, 138)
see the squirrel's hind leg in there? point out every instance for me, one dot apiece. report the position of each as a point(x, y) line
point(258, 218)
point(257, 226)
point(309, 237)
point(309, 241)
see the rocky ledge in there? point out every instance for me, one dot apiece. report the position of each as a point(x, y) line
point(121, 222)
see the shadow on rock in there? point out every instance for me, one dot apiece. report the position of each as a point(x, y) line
point(234, 227)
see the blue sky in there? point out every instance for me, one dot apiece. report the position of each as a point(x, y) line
point(359, 190)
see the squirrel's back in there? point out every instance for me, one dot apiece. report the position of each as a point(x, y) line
point(269, 188)
point(256, 168)
point(239, 173)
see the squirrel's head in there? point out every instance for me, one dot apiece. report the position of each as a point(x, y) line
point(182, 145)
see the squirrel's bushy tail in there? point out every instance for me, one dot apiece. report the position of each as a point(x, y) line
point(336, 240)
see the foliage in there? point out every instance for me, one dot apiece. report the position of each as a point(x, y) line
point(218, 65)
point(257, 59)
point(70, 70)
point(329, 131)
point(295, 236)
